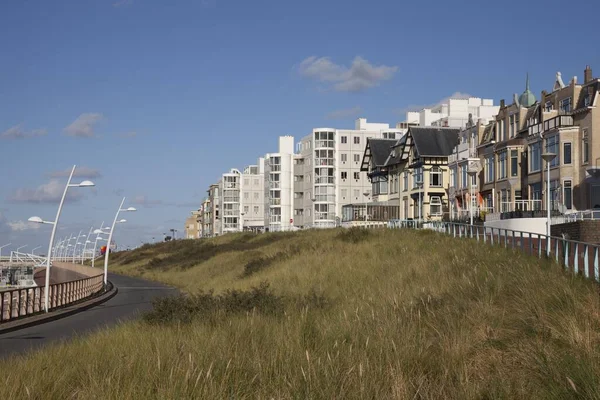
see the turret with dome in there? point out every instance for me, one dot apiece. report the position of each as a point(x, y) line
point(527, 99)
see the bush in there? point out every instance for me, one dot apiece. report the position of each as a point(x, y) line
point(207, 306)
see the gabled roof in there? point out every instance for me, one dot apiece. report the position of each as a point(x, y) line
point(376, 152)
point(394, 157)
point(532, 111)
point(434, 141)
point(380, 150)
point(489, 133)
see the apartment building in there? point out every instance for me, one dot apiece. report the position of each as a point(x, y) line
point(192, 225)
point(205, 218)
point(562, 123)
point(279, 186)
point(242, 201)
point(454, 113)
point(327, 172)
point(211, 219)
point(464, 167)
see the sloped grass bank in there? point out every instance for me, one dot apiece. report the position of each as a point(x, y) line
point(335, 315)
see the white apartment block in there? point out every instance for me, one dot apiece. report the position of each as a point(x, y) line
point(327, 172)
point(242, 199)
point(455, 113)
point(279, 186)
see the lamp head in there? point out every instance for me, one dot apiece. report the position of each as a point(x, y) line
point(98, 231)
point(86, 184)
point(37, 220)
point(548, 157)
point(130, 209)
point(121, 221)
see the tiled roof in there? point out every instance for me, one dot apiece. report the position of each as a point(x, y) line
point(434, 141)
point(394, 156)
point(531, 112)
point(380, 150)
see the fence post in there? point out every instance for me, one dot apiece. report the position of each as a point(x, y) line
point(566, 248)
point(596, 271)
point(555, 249)
point(576, 259)
point(586, 261)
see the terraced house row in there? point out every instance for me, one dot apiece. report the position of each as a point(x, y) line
point(495, 169)
point(460, 159)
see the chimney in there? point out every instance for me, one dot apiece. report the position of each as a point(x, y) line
point(502, 103)
point(587, 74)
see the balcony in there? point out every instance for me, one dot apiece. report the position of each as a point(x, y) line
point(464, 150)
point(275, 202)
point(329, 198)
point(521, 205)
point(327, 144)
point(274, 184)
point(560, 121)
point(325, 180)
point(324, 162)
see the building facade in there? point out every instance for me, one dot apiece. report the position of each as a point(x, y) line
point(327, 172)
point(279, 187)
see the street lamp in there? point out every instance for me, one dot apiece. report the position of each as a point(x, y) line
point(76, 243)
point(420, 187)
point(548, 157)
point(54, 226)
point(86, 242)
point(112, 230)
point(98, 232)
point(366, 193)
point(34, 249)
point(1, 247)
point(472, 173)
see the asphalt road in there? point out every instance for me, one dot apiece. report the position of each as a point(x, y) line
point(134, 296)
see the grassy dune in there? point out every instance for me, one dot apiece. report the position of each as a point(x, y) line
point(347, 314)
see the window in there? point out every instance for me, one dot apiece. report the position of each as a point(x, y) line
point(586, 100)
point(246, 181)
point(435, 177)
point(256, 210)
point(344, 157)
point(568, 194)
point(502, 165)
point(535, 157)
point(514, 163)
point(548, 106)
point(256, 182)
point(344, 139)
point(463, 172)
point(344, 193)
point(418, 173)
point(357, 175)
point(405, 181)
point(512, 125)
point(489, 169)
point(552, 147)
point(255, 195)
point(344, 175)
point(585, 147)
point(356, 139)
point(565, 105)
point(566, 153)
point(453, 177)
point(246, 209)
point(435, 205)
point(356, 193)
point(246, 196)
point(357, 158)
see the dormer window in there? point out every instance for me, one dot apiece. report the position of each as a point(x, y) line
point(548, 106)
point(586, 100)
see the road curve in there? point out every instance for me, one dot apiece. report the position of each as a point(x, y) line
point(134, 296)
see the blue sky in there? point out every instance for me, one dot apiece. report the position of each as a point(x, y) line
point(155, 99)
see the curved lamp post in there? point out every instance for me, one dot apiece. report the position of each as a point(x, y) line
point(86, 243)
point(76, 243)
point(54, 225)
point(98, 232)
point(1, 247)
point(112, 230)
point(34, 249)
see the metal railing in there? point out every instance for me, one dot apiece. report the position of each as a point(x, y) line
point(577, 256)
point(18, 303)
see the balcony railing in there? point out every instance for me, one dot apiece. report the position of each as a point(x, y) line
point(325, 179)
point(274, 184)
point(521, 205)
point(329, 144)
point(324, 161)
point(275, 202)
point(325, 197)
point(553, 123)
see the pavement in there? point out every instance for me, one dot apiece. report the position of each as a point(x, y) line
point(134, 297)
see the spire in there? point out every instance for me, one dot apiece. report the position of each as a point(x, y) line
point(527, 83)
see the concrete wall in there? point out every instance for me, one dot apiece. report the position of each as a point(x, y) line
point(533, 225)
point(583, 231)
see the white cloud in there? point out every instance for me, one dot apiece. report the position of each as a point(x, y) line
point(50, 192)
point(344, 113)
point(83, 126)
point(80, 172)
point(19, 226)
point(17, 132)
point(361, 75)
point(455, 95)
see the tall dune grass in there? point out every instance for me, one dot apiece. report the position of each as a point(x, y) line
point(394, 315)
